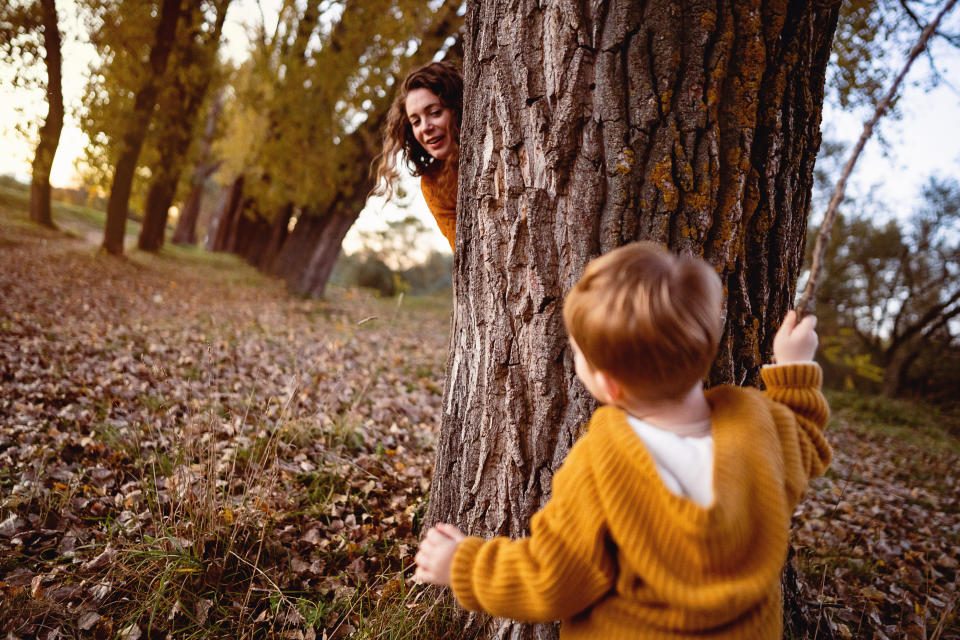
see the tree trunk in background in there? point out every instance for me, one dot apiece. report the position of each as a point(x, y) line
point(309, 252)
point(132, 138)
point(157, 206)
point(307, 257)
point(274, 234)
point(588, 126)
point(298, 243)
point(52, 126)
point(312, 281)
point(226, 219)
point(176, 120)
point(186, 231)
point(242, 229)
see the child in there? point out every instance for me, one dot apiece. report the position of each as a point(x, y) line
point(670, 517)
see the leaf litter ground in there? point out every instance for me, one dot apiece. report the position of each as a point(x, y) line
point(186, 450)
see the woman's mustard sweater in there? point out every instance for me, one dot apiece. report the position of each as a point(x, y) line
point(615, 555)
point(442, 201)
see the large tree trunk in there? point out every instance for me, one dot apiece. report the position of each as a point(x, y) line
point(587, 126)
point(136, 130)
point(53, 125)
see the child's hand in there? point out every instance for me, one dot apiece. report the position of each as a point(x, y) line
point(436, 554)
point(795, 342)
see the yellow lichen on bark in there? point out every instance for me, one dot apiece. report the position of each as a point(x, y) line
point(708, 20)
point(666, 98)
point(661, 175)
point(625, 161)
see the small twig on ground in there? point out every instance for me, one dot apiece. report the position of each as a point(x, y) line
point(942, 622)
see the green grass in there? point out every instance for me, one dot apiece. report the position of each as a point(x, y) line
point(922, 424)
point(74, 219)
point(88, 222)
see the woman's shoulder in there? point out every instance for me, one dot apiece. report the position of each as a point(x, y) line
point(439, 187)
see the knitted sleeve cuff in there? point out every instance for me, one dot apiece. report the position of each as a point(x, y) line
point(798, 387)
point(795, 375)
point(460, 573)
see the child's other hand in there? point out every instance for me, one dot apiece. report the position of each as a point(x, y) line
point(435, 556)
point(795, 341)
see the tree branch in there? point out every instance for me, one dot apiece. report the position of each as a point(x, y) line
point(823, 235)
point(932, 315)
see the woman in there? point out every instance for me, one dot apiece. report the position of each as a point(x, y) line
point(423, 124)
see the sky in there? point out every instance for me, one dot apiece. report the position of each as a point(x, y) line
point(925, 141)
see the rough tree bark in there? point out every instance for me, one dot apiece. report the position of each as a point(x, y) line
point(53, 124)
point(132, 139)
point(587, 126)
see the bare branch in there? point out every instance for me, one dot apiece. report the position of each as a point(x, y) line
point(931, 316)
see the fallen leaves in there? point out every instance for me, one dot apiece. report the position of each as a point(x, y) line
point(216, 457)
point(880, 534)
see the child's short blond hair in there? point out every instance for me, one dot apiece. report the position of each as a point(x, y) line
point(647, 317)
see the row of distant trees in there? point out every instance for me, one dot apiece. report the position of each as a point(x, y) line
point(291, 130)
point(394, 259)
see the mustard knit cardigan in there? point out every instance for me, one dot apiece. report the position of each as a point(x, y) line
point(442, 201)
point(615, 555)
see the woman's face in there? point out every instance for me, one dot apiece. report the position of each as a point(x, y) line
point(431, 122)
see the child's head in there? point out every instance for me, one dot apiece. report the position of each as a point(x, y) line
point(648, 318)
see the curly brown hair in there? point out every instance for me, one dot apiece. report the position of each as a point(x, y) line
point(443, 80)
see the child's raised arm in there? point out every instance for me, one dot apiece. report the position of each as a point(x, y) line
point(795, 383)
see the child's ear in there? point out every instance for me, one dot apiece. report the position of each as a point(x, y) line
point(610, 387)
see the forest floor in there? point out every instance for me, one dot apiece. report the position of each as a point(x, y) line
point(188, 451)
